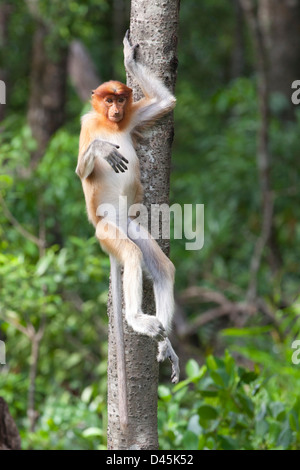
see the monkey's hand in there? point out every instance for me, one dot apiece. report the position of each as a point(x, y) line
point(102, 149)
point(116, 160)
point(129, 52)
point(109, 152)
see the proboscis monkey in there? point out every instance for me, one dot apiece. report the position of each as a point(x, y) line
point(109, 169)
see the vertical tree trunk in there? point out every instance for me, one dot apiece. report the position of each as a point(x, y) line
point(47, 90)
point(9, 434)
point(154, 26)
point(238, 52)
point(5, 12)
point(264, 158)
point(81, 70)
point(280, 24)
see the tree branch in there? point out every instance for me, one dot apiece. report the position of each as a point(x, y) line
point(37, 241)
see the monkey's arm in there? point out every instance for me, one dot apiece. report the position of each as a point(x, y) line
point(158, 99)
point(100, 149)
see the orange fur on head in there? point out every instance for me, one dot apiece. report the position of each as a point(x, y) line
point(112, 88)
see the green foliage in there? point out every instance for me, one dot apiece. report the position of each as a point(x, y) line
point(224, 406)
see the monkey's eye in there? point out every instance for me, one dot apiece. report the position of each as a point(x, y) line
point(109, 100)
point(121, 100)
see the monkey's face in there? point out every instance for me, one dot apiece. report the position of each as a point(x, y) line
point(115, 106)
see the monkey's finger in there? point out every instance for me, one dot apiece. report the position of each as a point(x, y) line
point(110, 143)
point(119, 156)
point(121, 168)
point(174, 378)
point(120, 160)
point(161, 333)
point(112, 164)
point(175, 371)
point(122, 165)
point(117, 162)
point(127, 35)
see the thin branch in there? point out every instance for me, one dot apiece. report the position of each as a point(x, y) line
point(18, 226)
point(263, 151)
point(238, 311)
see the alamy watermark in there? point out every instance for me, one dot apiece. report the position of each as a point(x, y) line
point(2, 92)
point(296, 95)
point(296, 353)
point(188, 222)
point(2, 353)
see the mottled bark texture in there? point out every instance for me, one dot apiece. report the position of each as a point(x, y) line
point(9, 435)
point(153, 25)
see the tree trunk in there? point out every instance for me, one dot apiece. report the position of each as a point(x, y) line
point(268, 236)
point(238, 52)
point(47, 90)
point(5, 12)
point(280, 24)
point(154, 26)
point(9, 435)
point(81, 70)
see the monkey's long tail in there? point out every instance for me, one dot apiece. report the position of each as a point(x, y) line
point(116, 284)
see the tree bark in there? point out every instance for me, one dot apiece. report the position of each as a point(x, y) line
point(81, 70)
point(9, 434)
point(238, 52)
point(154, 26)
point(5, 12)
point(267, 237)
point(280, 24)
point(47, 90)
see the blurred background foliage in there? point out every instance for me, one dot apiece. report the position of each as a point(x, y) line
point(54, 277)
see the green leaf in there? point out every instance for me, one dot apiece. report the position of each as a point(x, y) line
point(193, 425)
point(190, 441)
point(87, 394)
point(285, 438)
point(220, 377)
point(164, 393)
point(261, 428)
point(192, 368)
point(92, 432)
point(208, 412)
point(6, 180)
point(44, 263)
point(278, 410)
point(246, 403)
point(251, 331)
point(228, 443)
point(247, 376)
point(211, 363)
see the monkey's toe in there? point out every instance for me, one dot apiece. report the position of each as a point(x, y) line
point(165, 351)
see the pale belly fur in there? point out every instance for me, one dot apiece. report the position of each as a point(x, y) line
point(112, 185)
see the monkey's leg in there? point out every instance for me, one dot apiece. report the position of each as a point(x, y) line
point(162, 272)
point(115, 242)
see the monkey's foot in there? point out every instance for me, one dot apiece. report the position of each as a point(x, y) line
point(147, 325)
point(165, 351)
